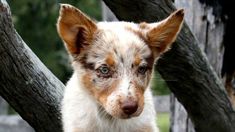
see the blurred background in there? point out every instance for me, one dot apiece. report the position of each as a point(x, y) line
point(35, 21)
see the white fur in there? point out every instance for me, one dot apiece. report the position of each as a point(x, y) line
point(97, 102)
point(123, 87)
point(81, 112)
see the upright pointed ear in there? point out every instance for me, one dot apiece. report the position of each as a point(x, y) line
point(162, 34)
point(75, 28)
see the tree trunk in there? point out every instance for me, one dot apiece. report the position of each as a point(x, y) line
point(179, 119)
point(185, 68)
point(26, 84)
point(107, 14)
point(209, 33)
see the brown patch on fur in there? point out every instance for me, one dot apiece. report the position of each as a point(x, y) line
point(142, 36)
point(137, 60)
point(82, 58)
point(87, 81)
point(75, 28)
point(163, 35)
point(139, 33)
point(100, 93)
point(139, 94)
point(103, 95)
point(144, 26)
point(110, 60)
point(150, 60)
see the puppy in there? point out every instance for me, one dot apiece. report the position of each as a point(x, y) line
point(109, 90)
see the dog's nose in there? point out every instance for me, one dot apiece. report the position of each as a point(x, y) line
point(129, 107)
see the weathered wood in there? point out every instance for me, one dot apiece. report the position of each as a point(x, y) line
point(179, 119)
point(26, 84)
point(209, 34)
point(185, 68)
point(207, 30)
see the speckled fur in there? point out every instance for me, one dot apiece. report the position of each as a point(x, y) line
point(92, 103)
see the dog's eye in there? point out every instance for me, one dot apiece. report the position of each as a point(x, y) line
point(103, 71)
point(142, 69)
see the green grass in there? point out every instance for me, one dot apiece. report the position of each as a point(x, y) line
point(163, 121)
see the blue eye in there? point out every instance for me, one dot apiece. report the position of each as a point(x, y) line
point(104, 70)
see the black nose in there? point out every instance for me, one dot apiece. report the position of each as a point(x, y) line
point(129, 107)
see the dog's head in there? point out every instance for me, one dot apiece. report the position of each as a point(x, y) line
point(114, 60)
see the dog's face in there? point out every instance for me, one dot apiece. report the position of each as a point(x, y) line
point(115, 59)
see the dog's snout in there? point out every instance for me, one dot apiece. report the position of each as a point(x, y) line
point(129, 107)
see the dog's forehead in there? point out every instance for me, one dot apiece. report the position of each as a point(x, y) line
point(120, 34)
point(120, 37)
point(117, 44)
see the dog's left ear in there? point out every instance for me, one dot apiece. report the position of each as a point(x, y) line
point(162, 34)
point(75, 29)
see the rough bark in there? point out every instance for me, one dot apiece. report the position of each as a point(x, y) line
point(209, 33)
point(185, 68)
point(26, 84)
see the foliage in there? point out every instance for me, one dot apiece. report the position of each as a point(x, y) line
point(159, 86)
point(35, 21)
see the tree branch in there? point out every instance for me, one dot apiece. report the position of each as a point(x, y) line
point(185, 68)
point(30, 88)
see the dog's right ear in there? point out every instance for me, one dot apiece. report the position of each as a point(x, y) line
point(75, 28)
point(162, 34)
